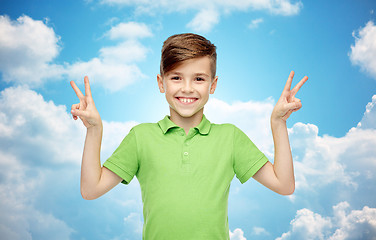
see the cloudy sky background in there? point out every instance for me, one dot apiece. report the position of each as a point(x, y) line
point(45, 44)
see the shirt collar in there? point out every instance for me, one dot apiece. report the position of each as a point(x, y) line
point(204, 127)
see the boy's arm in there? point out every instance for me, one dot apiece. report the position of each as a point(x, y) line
point(95, 180)
point(279, 176)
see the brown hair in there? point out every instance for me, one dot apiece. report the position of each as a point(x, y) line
point(181, 47)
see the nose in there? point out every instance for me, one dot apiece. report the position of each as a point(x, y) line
point(187, 86)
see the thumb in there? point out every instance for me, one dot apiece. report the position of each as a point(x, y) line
point(79, 113)
point(294, 105)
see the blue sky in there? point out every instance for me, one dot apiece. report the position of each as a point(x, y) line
point(45, 44)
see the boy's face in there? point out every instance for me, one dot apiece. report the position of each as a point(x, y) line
point(187, 87)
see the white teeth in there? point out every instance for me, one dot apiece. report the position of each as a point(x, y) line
point(186, 100)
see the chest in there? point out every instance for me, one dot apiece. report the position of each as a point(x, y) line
point(183, 167)
point(174, 151)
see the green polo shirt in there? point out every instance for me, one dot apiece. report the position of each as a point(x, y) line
point(185, 178)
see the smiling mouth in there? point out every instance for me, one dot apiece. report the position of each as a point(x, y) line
point(187, 100)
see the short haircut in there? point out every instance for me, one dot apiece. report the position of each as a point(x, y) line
point(181, 47)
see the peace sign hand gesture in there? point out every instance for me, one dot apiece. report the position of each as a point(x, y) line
point(288, 103)
point(86, 109)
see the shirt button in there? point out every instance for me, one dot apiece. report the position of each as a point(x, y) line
point(185, 153)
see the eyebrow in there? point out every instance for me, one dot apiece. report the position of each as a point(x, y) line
point(196, 74)
point(202, 74)
point(174, 73)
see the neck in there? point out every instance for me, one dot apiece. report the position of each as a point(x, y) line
point(186, 122)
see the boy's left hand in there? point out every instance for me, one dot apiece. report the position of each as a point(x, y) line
point(288, 103)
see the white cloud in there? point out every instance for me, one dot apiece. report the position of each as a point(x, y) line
point(113, 134)
point(255, 23)
point(363, 52)
point(284, 7)
point(307, 225)
point(252, 117)
point(320, 161)
point(209, 11)
point(281, 7)
point(369, 117)
point(259, 231)
point(317, 159)
point(238, 234)
point(357, 224)
point(204, 21)
point(27, 49)
point(38, 126)
point(41, 147)
point(19, 220)
point(134, 220)
point(111, 76)
point(325, 160)
point(123, 53)
point(115, 67)
point(129, 30)
point(344, 224)
point(46, 130)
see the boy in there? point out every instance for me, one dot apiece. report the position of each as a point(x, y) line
point(184, 163)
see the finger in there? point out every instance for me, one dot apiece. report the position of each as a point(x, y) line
point(79, 113)
point(74, 116)
point(76, 89)
point(87, 87)
point(289, 81)
point(299, 85)
point(294, 105)
point(74, 107)
point(296, 109)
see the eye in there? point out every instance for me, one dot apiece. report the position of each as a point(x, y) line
point(199, 79)
point(175, 78)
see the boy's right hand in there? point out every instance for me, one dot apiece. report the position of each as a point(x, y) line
point(86, 109)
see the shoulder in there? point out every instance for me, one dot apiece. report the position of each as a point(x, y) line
point(223, 129)
point(228, 130)
point(146, 130)
point(144, 127)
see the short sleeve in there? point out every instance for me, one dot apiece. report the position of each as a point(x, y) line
point(247, 158)
point(124, 160)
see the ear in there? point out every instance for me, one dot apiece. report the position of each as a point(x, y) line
point(160, 83)
point(213, 85)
